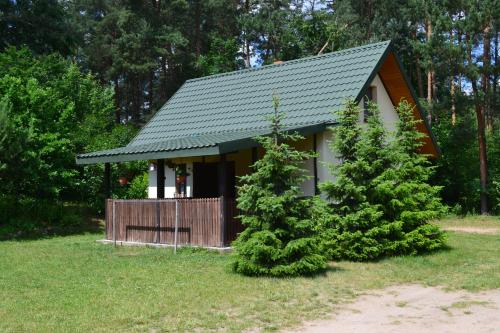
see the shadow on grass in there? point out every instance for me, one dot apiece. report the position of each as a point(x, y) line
point(332, 267)
point(444, 249)
point(84, 223)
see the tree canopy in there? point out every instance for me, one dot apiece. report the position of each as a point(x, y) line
point(82, 75)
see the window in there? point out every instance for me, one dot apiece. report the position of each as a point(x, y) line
point(371, 96)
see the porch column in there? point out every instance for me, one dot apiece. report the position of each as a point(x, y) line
point(315, 164)
point(160, 179)
point(222, 175)
point(254, 155)
point(107, 180)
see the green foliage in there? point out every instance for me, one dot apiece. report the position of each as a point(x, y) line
point(279, 235)
point(43, 25)
point(49, 112)
point(220, 57)
point(146, 50)
point(380, 201)
point(404, 188)
point(138, 188)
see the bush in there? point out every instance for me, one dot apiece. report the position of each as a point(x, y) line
point(280, 235)
point(138, 188)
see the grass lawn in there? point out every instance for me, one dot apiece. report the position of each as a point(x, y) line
point(73, 284)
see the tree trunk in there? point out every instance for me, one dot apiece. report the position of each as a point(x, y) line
point(483, 161)
point(481, 136)
point(150, 92)
point(418, 73)
point(453, 101)
point(164, 78)
point(494, 103)
point(485, 77)
point(197, 29)
point(369, 14)
point(247, 42)
point(117, 102)
point(430, 71)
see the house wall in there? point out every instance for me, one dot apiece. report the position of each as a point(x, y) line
point(169, 182)
point(387, 111)
point(243, 158)
point(389, 119)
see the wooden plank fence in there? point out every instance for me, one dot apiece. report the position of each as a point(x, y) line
point(200, 221)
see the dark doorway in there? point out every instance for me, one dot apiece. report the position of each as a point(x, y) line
point(206, 180)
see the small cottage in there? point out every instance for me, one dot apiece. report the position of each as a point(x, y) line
point(202, 139)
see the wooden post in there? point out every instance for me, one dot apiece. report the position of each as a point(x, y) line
point(315, 164)
point(222, 221)
point(114, 223)
point(222, 175)
point(176, 230)
point(107, 180)
point(160, 179)
point(254, 155)
point(107, 193)
point(157, 221)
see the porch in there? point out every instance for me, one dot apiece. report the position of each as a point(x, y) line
point(199, 222)
point(191, 190)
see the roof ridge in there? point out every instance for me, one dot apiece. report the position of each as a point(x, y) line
point(288, 62)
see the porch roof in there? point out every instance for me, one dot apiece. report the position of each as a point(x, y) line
point(195, 145)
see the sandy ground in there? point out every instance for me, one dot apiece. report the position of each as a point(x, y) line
point(414, 308)
point(474, 230)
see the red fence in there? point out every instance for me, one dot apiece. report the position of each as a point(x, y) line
point(200, 222)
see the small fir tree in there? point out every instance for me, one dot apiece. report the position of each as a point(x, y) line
point(404, 192)
point(279, 239)
point(368, 213)
point(356, 230)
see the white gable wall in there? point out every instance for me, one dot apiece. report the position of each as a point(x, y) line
point(387, 111)
point(389, 118)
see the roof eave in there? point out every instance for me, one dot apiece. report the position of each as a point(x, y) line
point(128, 157)
point(217, 149)
point(388, 50)
point(417, 103)
point(374, 72)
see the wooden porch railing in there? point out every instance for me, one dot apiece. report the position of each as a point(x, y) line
point(201, 222)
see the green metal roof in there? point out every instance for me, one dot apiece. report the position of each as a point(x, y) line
point(208, 112)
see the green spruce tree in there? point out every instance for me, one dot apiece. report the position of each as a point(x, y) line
point(355, 227)
point(279, 239)
point(404, 192)
point(380, 201)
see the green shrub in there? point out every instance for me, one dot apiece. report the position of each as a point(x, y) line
point(138, 188)
point(280, 235)
point(495, 196)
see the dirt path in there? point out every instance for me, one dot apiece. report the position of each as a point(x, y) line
point(414, 308)
point(474, 230)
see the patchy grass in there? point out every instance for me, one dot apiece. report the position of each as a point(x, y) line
point(73, 284)
point(468, 304)
point(464, 305)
